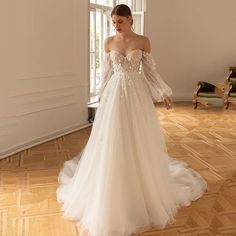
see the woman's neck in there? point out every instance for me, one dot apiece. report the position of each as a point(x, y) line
point(126, 35)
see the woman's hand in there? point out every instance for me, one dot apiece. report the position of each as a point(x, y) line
point(168, 102)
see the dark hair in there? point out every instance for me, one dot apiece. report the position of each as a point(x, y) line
point(122, 10)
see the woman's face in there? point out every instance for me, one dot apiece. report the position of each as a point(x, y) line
point(121, 23)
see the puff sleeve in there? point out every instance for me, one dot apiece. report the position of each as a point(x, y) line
point(158, 88)
point(106, 74)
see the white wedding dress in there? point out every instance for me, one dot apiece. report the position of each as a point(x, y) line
point(124, 181)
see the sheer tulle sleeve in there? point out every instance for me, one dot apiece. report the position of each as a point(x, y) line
point(158, 88)
point(106, 74)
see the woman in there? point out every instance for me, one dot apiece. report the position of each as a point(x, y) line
point(124, 181)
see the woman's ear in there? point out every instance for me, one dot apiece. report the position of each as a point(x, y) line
point(130, 19)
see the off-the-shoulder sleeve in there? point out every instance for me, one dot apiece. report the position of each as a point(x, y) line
point(158, 88)
point(106, 73)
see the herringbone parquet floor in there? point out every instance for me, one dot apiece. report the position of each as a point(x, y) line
point(204, 138)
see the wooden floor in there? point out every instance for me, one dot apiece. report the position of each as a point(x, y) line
point(204, 138)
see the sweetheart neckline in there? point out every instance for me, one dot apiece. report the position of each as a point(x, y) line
point(137, 49)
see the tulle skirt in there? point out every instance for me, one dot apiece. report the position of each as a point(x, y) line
point(124, 181)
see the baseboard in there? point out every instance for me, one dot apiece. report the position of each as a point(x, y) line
point(42, 139)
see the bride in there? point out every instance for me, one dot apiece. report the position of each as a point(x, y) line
point(124, 181)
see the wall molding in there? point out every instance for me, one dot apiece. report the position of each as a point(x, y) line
point(55, 75)
point(44, 75)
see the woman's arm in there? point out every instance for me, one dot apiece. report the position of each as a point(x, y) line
point(160, 91)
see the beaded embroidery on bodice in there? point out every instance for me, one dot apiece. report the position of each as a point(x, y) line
point(126, 64)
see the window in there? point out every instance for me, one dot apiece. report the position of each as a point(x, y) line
point(101, 28)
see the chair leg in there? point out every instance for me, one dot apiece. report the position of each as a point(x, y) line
point(195, 105)
point(226, 105)
point(205, 103)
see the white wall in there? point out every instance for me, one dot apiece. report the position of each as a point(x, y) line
point(192, 40)
point(43, 70)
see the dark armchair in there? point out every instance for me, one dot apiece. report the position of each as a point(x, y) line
point(230, 93)
point(207, 92)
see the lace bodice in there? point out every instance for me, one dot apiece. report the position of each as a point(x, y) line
point(128, 63)
point(116, 62)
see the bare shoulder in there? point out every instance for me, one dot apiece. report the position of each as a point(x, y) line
point(146, 44)
point(107, 43)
